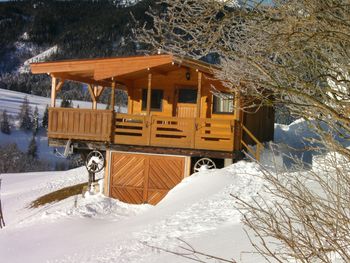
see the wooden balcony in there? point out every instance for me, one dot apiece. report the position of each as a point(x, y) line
point(129, 129)
point(80, 124)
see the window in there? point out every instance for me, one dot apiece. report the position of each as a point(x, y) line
point(156, 99)
point(187, 96)
point(223, 103)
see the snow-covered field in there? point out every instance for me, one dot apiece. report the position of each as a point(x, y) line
point(11, 101)
point(199, 211)
point(98, 229)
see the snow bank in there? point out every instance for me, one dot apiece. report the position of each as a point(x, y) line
point(99, 229)
point(200, 211)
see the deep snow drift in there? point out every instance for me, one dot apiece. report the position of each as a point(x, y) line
point(98, 229)
point(199, 211)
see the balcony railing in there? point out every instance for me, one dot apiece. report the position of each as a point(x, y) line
point(96, 125)
point(128, 129)
point(82, 124)
point(194, 133)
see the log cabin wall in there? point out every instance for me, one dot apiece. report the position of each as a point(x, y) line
point(168, 83)
point(260, 123)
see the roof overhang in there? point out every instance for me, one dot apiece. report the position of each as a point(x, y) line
point(103, 71)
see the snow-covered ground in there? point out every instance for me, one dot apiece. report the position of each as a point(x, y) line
point(199, 210)
point(98, 229)
point(11, 101)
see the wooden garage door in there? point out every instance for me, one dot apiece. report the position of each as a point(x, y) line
point(140, 178)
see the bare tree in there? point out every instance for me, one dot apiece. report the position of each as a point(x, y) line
point(292, 52)
point(296, 53)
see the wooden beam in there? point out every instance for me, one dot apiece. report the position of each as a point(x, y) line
point(130, 91)
point(93, 97)
point(113, 96)
point(149, 90)
point(199, 94)
point(90, 145)
point(82, 79)
point(59, 85)
point(158, 71)
point(237, 129)
point(237, 106)
point(123, 66)
point(98, 91)
point(53, 91)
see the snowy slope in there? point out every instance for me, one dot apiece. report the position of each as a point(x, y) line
point(103, 230)
point(199, 211)
point(12, 101)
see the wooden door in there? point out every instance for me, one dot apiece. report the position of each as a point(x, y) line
point(185, 105)
point(143, 178)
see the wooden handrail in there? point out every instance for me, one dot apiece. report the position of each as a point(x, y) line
point(259, 145)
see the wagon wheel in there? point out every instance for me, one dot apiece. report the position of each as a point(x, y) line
point(204, 164)
point(94, 162)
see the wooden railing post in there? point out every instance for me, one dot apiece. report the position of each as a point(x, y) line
point(113, 95)
point(198, 111)
point(113, 86)
point(237, 127)
point(55, 87)
point(53, 91)
point(149, 90)
point(148, 109)
point(199, 94)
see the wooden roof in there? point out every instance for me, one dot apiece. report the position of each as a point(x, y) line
point(122, 69)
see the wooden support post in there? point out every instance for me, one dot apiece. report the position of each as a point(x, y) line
point(53, 91)
point(198, 110)
point(94, 103)
point(148, 109)
point(93, 97)
point(130, 90)
point(199, 94)
point(237, 129)
point(112, 108)
point(113, 95)
point(56, 85)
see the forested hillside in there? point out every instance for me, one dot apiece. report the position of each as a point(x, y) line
point(79, 29)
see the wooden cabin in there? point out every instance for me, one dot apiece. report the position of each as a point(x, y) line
point(177, 114)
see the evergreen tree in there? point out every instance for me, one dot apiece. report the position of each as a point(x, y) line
point(4, 125)
point(32, 149)
point(45, 121)
point(66, 103)
point(25, 119)
point(36, 120)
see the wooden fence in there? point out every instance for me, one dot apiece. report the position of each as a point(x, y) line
point(118, 128)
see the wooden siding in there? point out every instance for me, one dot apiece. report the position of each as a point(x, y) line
point(82, 124)
point(260, 124)
point(143, 178)
point(95, 125)
point(214, 134)
point(194, 133)
point(169, 83)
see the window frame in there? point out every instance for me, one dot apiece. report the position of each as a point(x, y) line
point(187, 88)
point(145, 101)
point(214, 109)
